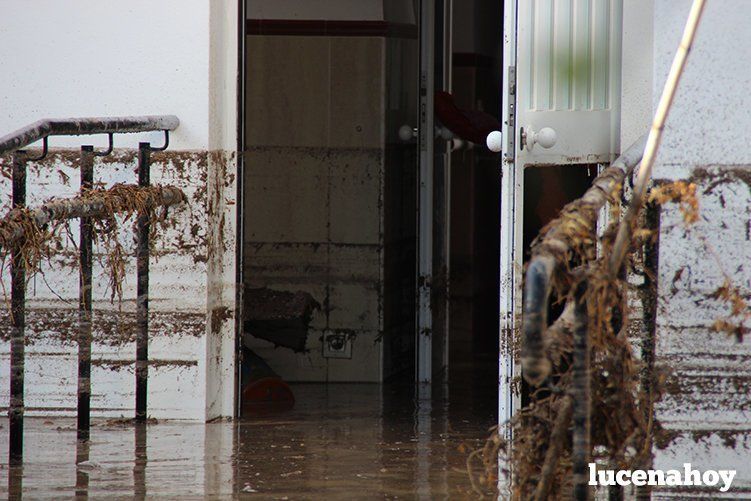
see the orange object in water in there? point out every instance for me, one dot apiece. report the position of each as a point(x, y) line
point(268, 394)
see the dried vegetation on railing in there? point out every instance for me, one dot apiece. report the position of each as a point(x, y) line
point(41, 232)
point(621, 424)
point(624, 388)
point(611, 414)
point(623, 427)
point(619, 411)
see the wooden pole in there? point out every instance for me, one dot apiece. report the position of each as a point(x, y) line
point(623, 239)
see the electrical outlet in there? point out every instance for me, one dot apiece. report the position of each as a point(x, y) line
point(337, 345)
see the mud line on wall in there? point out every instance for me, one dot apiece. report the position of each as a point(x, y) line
point(110, 328)
point(185, 169)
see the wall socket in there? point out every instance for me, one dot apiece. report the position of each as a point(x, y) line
point(336, 345)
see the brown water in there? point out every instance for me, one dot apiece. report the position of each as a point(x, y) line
point(341, 441)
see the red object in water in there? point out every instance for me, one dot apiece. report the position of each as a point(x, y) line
point(267, 394)
point(470, 125)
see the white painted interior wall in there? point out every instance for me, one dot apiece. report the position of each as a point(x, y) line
point(109, 58)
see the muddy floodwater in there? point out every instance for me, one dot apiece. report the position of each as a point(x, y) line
point(341, 441)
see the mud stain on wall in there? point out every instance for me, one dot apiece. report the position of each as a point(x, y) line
point(181, 246)
point(110, 328)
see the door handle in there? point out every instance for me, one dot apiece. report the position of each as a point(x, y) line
point(546, 137)
point(407, 132)
point(494, 141)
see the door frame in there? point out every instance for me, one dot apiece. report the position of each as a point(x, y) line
point(512, 190)
point(425, 145)
point(240, 201)
point(433, 200)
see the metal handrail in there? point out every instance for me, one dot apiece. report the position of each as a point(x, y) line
point(85, 209)
point(564, 237)
point(543, 264)
point(46, 127)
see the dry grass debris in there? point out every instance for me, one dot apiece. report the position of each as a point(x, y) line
point(39, 233)
point(621, 419)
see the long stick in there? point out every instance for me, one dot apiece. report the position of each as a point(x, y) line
point(655, 136)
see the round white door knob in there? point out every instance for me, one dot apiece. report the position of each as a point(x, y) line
point(494, 141)
point(407, 132)
point(546, 138)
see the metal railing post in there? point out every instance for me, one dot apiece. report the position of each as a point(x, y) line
point(580, 392)
point(84, 301)
point(18, 300)
point(86, 210)
point(142, 300)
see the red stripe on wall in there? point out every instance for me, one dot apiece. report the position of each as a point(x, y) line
point(326, 28)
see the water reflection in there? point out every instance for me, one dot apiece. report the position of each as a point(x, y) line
point(340, 441)
point(15, 481)
point(140, 460)
point(423, 431)
point(83, 447)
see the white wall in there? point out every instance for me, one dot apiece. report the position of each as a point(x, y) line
point(636, 70)
point(110, 58)
point(222, 206)
point(707, 395)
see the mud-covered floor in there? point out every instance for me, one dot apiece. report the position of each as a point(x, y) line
point(341, 441)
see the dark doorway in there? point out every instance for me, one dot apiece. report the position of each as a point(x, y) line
point(475, 206)
point(329, 241)
point(546, 190)
point(330, 192)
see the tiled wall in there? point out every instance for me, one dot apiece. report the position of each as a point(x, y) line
point(314, 192)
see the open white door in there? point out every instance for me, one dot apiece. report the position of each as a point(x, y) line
point(562, 106)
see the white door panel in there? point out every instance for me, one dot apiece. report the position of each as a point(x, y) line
point(562, 71)
point(582, 137)
point(568, 78)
